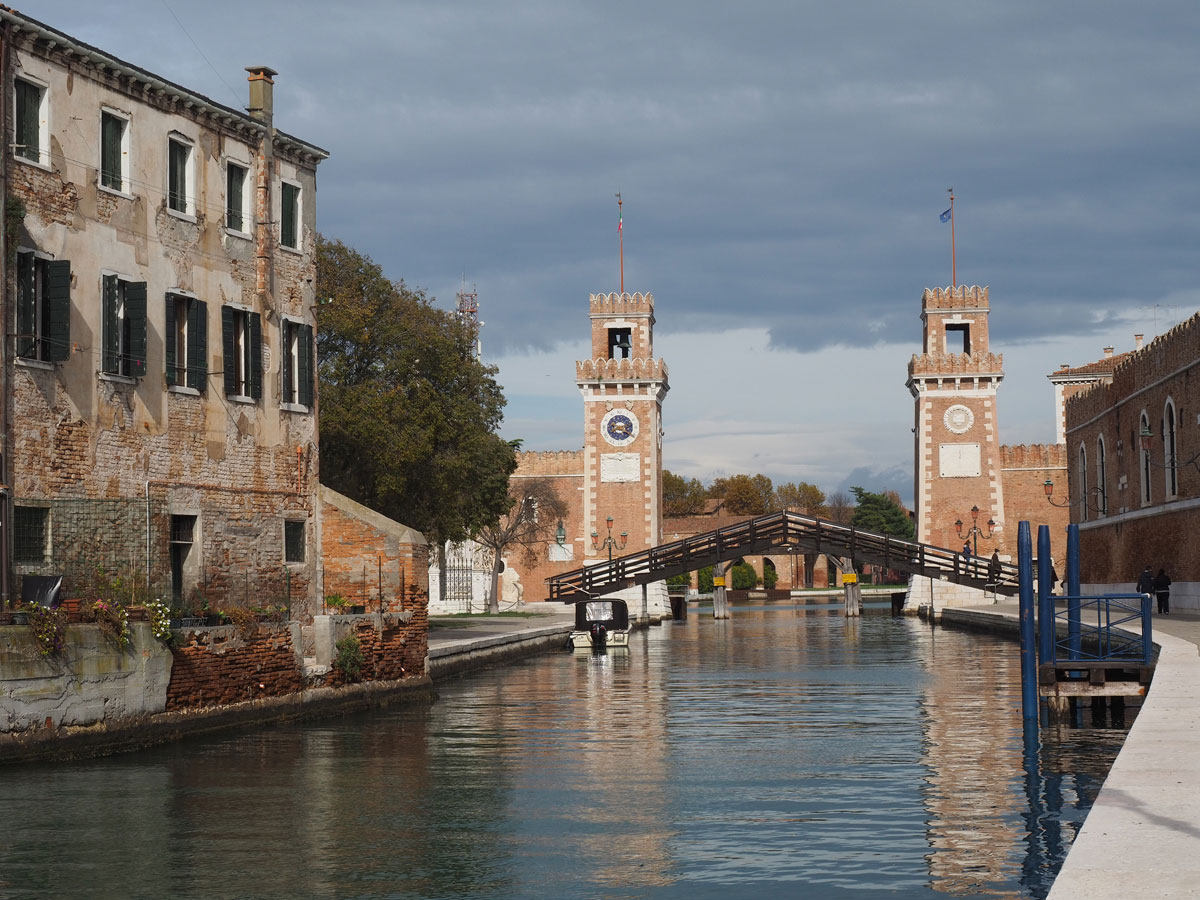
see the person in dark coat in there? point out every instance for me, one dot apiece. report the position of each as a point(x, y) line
point(994, 568)
point(1145, 582)
point(1162, 588)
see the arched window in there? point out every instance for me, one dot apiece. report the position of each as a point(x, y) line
point(1169, 454)
point(1101, 478)
point(1144, 426)
point(1083, 484)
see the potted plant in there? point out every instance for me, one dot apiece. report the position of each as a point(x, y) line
point(335, 603)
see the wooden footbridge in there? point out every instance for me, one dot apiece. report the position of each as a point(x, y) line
point(781, 531)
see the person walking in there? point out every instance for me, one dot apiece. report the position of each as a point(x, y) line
point(994, 568)
point(1145, 582)
point(1162, 589)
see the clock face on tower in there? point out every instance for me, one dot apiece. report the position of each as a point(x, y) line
point(619, 427)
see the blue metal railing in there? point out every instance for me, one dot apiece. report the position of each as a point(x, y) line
point(1094, 622)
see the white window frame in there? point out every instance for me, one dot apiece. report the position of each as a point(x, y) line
point(247, 223)
point(1101, 477)
point(122, 343)
point(182, 300)
point(298, 246)
point(1170, 445)
point(43, 148)
point(289, 361)
point(289, 519)
point(39, 332)
point(124, 190)
point(189, 177)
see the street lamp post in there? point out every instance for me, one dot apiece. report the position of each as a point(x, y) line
point(609, 541)
point(975, 531)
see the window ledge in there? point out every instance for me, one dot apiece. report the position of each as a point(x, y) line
point(186, 217)
point(37, 164)
point(239, 398)
point(241, 235)
point(35, 364)
point(113, 192)
point(182, 389)
point(117, 379)
point(286, 249)
point(294, 407)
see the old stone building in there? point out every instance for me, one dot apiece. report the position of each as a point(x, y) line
point(969, 488)
point(159, 404)
point(617, 475)
point(1133, 451)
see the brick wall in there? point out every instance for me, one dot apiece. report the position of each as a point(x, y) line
point(391, 650)
point(216, 666)
point(364, 553)
point(1024, 470)
point(564, 469)
point(1133, 533)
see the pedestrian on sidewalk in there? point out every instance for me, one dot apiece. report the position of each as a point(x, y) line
point(1145, 582)
point(1162, 588)
point(994, 568)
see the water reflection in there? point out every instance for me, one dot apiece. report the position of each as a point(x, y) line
point(786, 751)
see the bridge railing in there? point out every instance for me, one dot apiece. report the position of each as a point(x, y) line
point(1097, 636)
point(782, 530)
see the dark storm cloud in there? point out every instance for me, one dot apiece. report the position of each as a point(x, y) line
point(783, 163)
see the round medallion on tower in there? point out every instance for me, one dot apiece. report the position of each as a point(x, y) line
point(619, 427)
point(959, 418)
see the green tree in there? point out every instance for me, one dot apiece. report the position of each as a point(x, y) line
point(532, 519)
point(682, 496)
point(408, 414)
point(881, 514)
point(803, 497)
point(744, 495)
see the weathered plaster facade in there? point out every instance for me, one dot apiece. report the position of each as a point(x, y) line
point(181, 380)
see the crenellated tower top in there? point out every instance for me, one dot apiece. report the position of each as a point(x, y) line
point(955, 320)
point(622, 326)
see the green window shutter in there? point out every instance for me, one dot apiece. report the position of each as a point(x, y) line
point(135, 322)
point(111, 131)
point(57, 315)
point(26, 305)
point(28, 112)
point(289, 203)
point(110, 326)
point(197, 345)
point(229, 351)
point(305, 375)
point(256, 372)
point(169, 339)
point(235, 182)
point(285, 362)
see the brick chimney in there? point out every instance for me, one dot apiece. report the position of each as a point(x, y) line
point(1108, 352)
point(1137, 342)
point(262, 84)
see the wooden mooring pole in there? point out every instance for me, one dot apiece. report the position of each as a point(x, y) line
point(853, 593)
point(720, 598)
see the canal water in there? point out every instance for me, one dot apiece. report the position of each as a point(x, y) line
point(788, 752)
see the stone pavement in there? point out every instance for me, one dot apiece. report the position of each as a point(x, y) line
point(1142, 836)
point(465, 644)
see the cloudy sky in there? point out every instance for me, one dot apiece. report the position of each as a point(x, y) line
point(783, 165)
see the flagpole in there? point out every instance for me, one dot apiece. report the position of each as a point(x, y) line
point(621, 235)
point(953, 256)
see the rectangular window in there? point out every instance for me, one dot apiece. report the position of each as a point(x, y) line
point(32, 136)
point(289, 220)
point(124, 326)
point(43, 307)
point(186, 342)
point(293, 542)
point(241, 340)
point(236, 214)
point(296, 366)
point(30, 532)
point(114, 152)
point(179, 177)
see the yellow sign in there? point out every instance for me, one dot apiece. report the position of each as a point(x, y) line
point(718, 581)
point(850, 578)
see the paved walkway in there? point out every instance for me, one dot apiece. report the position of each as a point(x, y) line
point(458, 644)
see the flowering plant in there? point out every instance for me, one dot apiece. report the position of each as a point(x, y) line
point(49, 629)
point(160, 620)
point(113, 621)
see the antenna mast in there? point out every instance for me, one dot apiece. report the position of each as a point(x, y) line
point(468, 313)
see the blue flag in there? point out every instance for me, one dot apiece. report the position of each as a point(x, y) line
point(945, 217)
